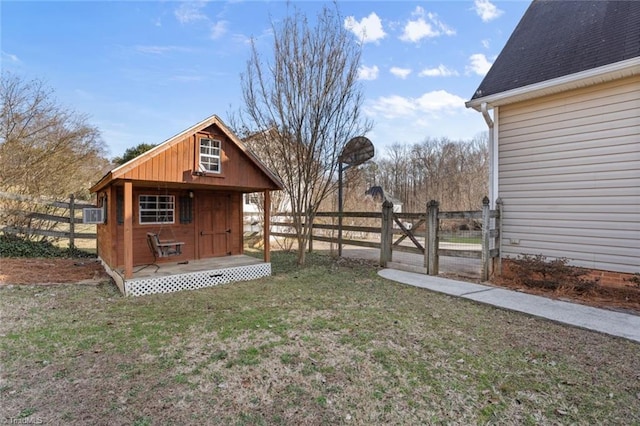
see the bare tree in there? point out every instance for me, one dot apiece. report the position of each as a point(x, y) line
point(45, 149)
point(306, 104)
point(452, 172)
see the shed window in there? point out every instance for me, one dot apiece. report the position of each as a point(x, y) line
point(210, 150)
point(157, 209)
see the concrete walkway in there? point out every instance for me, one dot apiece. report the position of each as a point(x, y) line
point(601, 320)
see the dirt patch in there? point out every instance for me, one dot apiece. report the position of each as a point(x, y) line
point(27, 271)
point(615, 297)
point(50, 271)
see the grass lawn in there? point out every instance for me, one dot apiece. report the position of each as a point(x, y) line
point(460, 238)
point(331, 343)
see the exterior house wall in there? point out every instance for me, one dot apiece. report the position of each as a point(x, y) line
point(183, 232)
point(105, 232)
point(569, 176)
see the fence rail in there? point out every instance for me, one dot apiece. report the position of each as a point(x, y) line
point(391, 231)
point(44, 224)
point(411, 229)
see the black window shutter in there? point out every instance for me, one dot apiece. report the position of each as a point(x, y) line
point(186, 209)
point(120, 208)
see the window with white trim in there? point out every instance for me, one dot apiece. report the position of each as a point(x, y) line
point(210, 150)
point(156, 209)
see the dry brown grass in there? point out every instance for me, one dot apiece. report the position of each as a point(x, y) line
point(331, 343)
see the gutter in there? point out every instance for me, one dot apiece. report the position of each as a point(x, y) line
point(617, 70)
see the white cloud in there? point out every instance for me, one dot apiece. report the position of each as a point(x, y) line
point(439, 71)
point(368, 30)
point(478, 64)
point(433, 103)
point(10, 57)
point(425, 25)
point(391, 107)
point(439, 101)
point(411, 120)
point(485, 43)
point(416, 30)
point(190, 12)
point(400, 72)
point(368, 73)
point(219, 29)
point(486, 10)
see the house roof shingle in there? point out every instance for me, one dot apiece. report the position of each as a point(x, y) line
point(558, 38)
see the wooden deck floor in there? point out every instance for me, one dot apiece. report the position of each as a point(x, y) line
point(168, 277)
point(176, 268)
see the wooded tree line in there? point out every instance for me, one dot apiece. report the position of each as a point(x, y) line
point(453, 172)
point(46, 152)
point(45, 148)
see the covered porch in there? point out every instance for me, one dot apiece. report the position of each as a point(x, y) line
point(167, 277)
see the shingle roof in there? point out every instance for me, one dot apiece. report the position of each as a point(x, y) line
point(559, 38)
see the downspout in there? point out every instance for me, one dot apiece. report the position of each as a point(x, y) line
point(492, 154)
point(487, 117)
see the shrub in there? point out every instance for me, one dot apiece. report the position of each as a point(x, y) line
point(15, 246)
point(635, 279)
point(537, 271)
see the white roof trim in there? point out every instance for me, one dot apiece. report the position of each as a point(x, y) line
point(622, 69)
point(162, 146)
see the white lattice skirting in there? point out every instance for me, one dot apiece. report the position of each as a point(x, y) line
point(195, 280)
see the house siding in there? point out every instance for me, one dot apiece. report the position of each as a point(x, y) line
point(569, 176)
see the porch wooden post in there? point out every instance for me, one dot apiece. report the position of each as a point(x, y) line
point(128, 230)
point(267, 225)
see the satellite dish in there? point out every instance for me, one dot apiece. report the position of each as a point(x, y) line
point(357, 151)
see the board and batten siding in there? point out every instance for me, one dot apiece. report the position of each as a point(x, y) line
point(569, 176)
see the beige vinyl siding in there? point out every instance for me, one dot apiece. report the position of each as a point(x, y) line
point(569, 176)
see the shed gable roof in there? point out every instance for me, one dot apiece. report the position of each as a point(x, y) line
point(124, 170)
point(559, 38)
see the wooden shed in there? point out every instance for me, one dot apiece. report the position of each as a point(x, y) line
point(173, 216)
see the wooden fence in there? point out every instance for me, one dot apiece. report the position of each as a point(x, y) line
point(44, 223)
point(410, 229)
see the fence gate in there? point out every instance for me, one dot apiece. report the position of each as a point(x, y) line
point(444, 251)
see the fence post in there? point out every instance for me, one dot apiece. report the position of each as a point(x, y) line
point(499, 230)
point(433, 239)
point(426, 242)
point(486, 247)
point(386, 233)
point(72, 220)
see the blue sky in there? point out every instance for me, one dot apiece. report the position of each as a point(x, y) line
point(145, 70)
